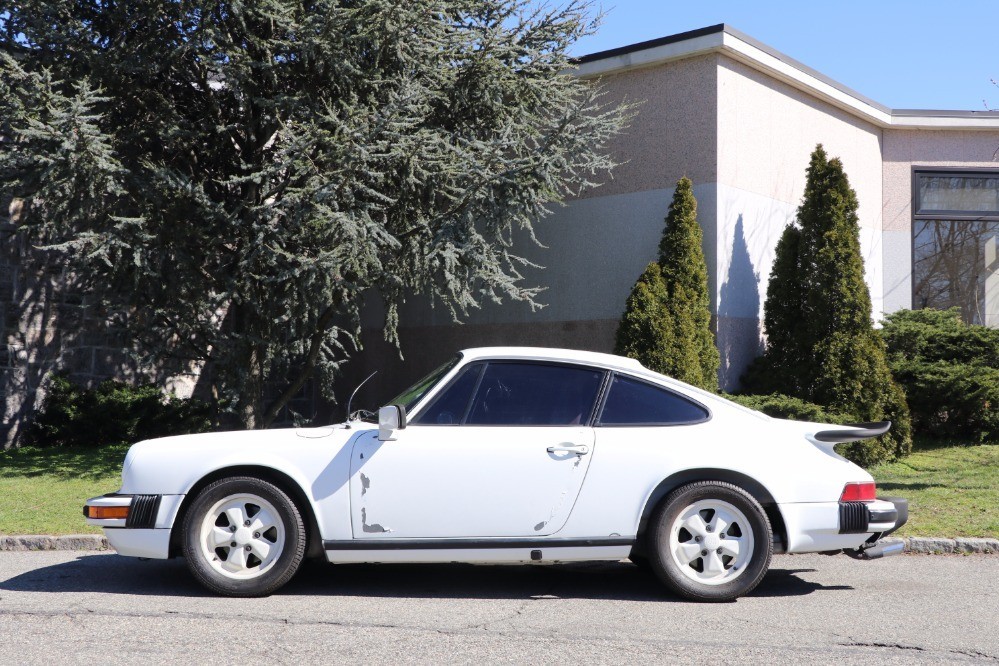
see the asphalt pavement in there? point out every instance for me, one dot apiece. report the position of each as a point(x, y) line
point(75, 607)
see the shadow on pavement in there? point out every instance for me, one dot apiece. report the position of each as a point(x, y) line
point(113, 574)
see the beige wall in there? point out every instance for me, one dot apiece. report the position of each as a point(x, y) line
point(745, 139)
point(594, 247)
point(675, 131)
point(767, 131)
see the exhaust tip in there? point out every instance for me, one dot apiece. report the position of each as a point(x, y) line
point(883, 550)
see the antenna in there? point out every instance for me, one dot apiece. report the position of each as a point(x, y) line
point(351, 398)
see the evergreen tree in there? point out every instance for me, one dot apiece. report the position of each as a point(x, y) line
point(778, 370)
point(235, 176)
point(688, 303)
point(674, 295)
point(645, 332)
point(821, 345)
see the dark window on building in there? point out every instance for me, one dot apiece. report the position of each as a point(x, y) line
point(631, 403)
point(534, 394)
point(955, 243)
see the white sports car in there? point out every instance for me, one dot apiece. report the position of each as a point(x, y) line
point(506, 455)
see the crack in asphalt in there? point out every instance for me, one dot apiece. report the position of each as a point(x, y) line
point(894, 646)
point(976, 654)
point(918, 648)
point(547, 595)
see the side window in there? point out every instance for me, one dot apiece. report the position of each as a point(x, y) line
point(448, 408)
point(631, 402)
point(530, 394)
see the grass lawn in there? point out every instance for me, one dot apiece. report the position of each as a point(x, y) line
point(952, 490)
point(42, 491)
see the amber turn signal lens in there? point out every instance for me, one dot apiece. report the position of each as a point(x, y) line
point(107, 512)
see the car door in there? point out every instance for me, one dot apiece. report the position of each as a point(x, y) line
point(502, 451)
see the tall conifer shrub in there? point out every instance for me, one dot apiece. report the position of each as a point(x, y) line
point(821, 345)
point(667, 319)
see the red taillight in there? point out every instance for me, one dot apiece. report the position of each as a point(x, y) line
point(858, 492)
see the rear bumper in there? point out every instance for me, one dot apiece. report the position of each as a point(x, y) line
point(882, 516)
point(875, 547)
point(818, 527)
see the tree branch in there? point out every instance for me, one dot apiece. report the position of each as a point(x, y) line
point(309, 366)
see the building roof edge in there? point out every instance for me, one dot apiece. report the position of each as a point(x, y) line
point(876, 112)
point(651, 44)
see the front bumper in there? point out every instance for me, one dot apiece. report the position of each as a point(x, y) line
point(140, 511)
point(143, 511)
point(144, 531)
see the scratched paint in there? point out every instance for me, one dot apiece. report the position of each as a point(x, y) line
point(365, 484)
point(558, 505)
point(374, 528)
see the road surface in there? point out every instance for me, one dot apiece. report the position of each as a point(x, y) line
point(75, 608)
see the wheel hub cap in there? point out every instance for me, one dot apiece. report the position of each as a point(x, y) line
point(698, 548)
point(242, 536)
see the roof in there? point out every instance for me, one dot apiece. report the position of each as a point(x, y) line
point(609, 361)
point(554, 354)
point(725, 39)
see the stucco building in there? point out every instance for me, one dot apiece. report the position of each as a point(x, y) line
point(740, 120)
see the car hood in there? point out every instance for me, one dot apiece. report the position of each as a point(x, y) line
point(171, 465)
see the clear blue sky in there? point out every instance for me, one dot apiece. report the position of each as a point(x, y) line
point(905, 55)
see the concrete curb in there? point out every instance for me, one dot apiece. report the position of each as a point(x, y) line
point(920, 545)
point(958, 546)
point(66, 542)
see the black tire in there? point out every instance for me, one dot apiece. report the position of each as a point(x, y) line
point(735, 581)
point(641, 562)
point(287, 535)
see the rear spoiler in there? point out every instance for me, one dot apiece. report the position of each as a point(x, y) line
point(858, 432)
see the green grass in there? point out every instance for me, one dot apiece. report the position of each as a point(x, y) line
point(42, 491)
point(952, 490)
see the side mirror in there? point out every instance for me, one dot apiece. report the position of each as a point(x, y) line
point(390, 419)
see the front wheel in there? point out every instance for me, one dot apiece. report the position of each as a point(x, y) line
point(243, 537)
point(710, 541)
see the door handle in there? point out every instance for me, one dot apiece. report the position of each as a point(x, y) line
point(578, 449)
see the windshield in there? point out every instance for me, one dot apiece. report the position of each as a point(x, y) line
point(412, 395)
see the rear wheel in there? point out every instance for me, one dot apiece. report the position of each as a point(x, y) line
point(243, 537)
point(710, 541)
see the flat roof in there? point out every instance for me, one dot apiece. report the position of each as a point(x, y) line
point(723, 38)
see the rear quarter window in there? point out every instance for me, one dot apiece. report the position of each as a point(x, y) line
point(631, 402)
